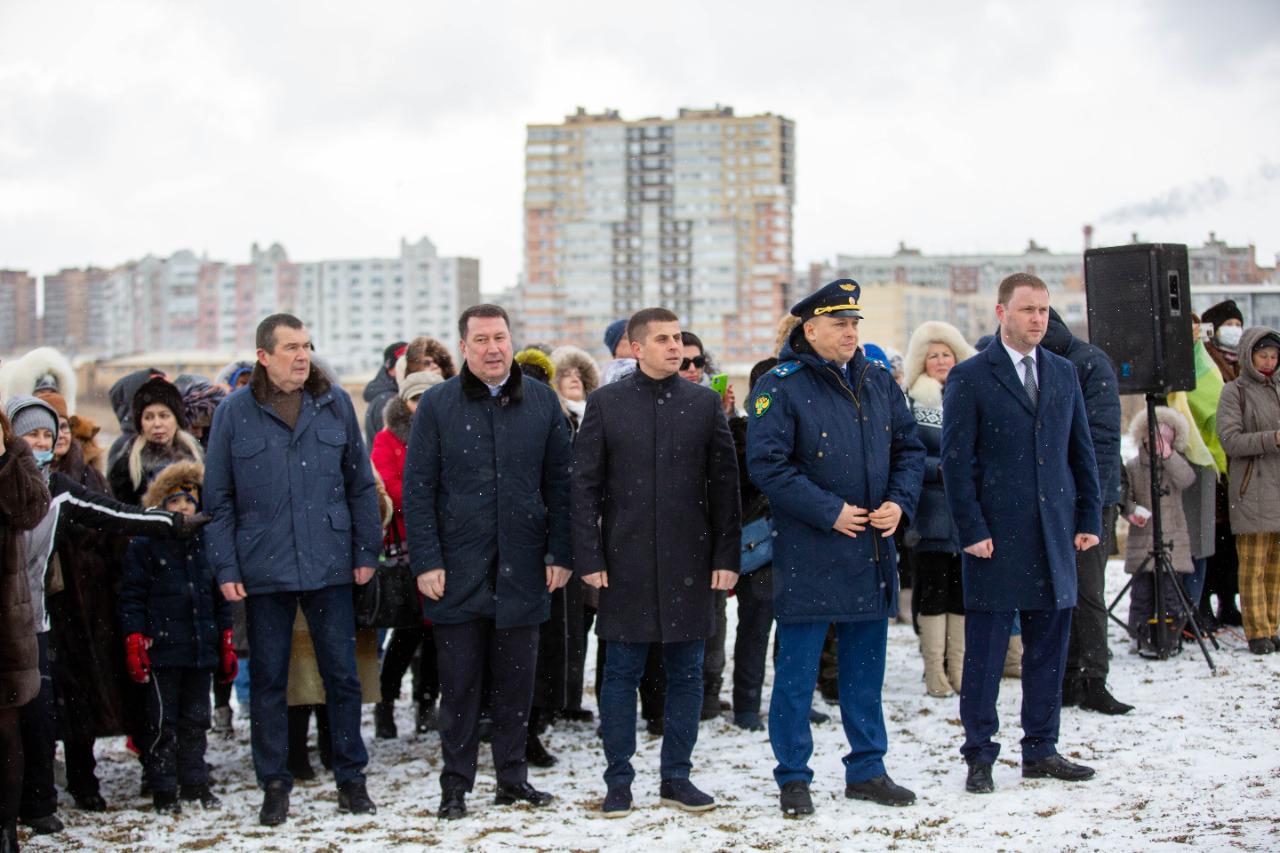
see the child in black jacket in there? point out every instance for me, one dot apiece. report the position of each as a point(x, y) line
point(177, 629)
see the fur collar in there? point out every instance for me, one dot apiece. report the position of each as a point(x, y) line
point(397, 419)
point(475, 389)
point(317, 385)
point(927, 392)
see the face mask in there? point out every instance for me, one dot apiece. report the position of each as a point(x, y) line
point(1229, 336)
point(43, 458)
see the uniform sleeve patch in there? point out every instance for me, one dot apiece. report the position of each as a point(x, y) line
point(762, 404)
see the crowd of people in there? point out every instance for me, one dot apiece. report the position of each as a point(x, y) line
point(531, 496)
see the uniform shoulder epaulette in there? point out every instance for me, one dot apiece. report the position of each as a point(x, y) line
point(787, 368)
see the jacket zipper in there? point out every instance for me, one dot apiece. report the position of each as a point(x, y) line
point(875, 540)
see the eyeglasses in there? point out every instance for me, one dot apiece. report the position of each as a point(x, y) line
point(697, 361)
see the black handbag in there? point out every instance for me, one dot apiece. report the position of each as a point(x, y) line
point(390, 598)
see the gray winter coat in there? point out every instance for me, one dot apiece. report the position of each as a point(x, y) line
point(1248, 418)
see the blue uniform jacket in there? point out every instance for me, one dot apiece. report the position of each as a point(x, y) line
point(820, 437)
point(293, 510)
point(1025, 478)
point(169, 594)
point(486, 498)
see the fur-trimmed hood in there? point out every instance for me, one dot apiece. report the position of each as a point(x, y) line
point(230, 369)
point(43, 366)
point(571, 357)
point(170, 479)
point(397, 419)
point(1164, 415)
point(927, 333)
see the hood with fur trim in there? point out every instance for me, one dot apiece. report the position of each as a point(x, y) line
point(39, 368)
point(571, 357)
point(397, 419)
point(1164, 415)
point(925, 334)
point(171, 479)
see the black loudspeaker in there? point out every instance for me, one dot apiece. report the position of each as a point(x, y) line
point(1139, 301)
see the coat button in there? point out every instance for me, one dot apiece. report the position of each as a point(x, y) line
point(819, 454)
point(824, 435)
point(1041, 460)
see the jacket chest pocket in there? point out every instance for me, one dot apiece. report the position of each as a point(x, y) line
point(332, 445)
point(250, 462)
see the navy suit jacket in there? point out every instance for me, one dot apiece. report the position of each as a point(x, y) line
point(1024, 477)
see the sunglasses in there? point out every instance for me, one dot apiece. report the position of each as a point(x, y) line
point(697, 361)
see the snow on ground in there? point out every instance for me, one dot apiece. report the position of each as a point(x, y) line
point(1196, 766)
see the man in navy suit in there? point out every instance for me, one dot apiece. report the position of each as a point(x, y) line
point(1022, 482)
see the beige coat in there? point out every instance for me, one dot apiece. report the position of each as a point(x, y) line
point(1178, 477)
point(305, 685)
point(1248, 418)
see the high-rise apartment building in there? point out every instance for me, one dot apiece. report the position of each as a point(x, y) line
point(693, 213)
point(18, 329)
point(74, 318)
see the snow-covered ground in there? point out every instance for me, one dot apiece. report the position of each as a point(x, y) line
point(1196, 765)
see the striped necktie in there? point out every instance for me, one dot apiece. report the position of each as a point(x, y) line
point(1029, 379)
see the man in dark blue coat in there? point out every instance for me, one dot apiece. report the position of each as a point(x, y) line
point(833, 446)
point(295, 521)
point(486, 505)
point(1085, 681)
point(1020, 475)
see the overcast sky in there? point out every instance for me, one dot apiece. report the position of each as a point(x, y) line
point(337, 128)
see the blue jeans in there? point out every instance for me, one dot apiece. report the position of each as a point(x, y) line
point(1045, 634)
point(242, 684)
point(1194, 582)
point(860, 649)
point(332, 623)
point(623, 669)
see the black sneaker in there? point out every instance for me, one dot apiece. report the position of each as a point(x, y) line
point(453, 803)
point(47, 825)
point(1056, 767)
point(882, 790)
point(1094, 696)
point(353, 798)
point(275, 804)
point(384, 721)
point(536, 754)
point(166, 802)
point(523, 792)
point(617, 803)
point(200, 794)
point(794, 799)
point(979, 779)
point(682, 794)
point(1261, 646)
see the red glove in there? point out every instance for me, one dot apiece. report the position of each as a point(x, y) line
point(135, 657)
point(230, 663)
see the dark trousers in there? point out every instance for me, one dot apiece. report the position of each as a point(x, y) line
point(1045, 634)
point(399, 656)
point(1193, 583)
point(177, 720)
point(860, 654)
point(465, 652)
point(653, 684)
point(713, 651)
point(82, 767)
point(1087, 648)
point(754, 594)
point(332, 623)
point(39, 742)
point(1222, 576)
point(624, 669)
point(939, 589)
point(11, 764)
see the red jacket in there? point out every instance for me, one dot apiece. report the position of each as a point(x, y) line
point(388, 457)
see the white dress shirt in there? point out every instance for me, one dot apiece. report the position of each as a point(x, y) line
point(1020, 368)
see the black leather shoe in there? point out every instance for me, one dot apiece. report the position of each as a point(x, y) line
point(523, 792)
point(818, 718)
point(90, 802)
point(1056, 767)
point(617, 803)
point(47, 825)
point(683, 794)
point(882, 790)
point(536, 754)
point(384, 721)
point(979, 779)
point(710, 708)
point(453, 804)
point(1261, 646)
point(576, 715)
point(353, 798)
point(1094, 696)
point(794, 799)
point(275, 804)
point(200, 794)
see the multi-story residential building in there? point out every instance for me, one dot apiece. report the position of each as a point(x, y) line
point(74, 317)
point(18, 327)
point(693, 213)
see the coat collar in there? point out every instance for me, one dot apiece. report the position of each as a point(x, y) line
point(1002, 367)
point(316, 385)
point(475, 389)
point(647, 382)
